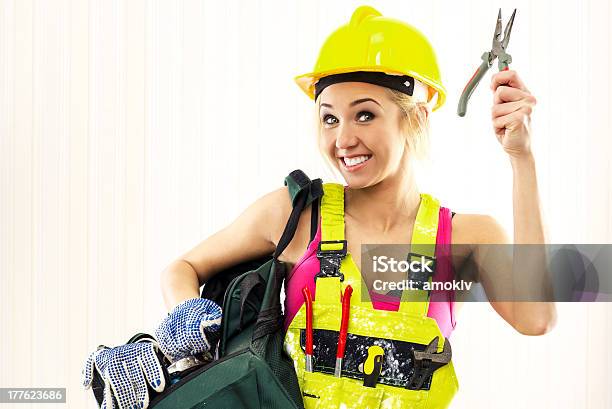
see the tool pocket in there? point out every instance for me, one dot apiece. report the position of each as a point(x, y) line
point(325, 391)
point(354, 395)
point(320, 390)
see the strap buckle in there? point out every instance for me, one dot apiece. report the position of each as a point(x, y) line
point(330, 260)
point(422, 276)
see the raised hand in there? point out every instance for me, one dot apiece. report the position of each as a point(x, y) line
point(511, 113)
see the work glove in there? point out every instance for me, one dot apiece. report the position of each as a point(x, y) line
point(190, 329)
point(126, 370)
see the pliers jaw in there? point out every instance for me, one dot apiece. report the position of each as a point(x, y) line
point(498, 50)
point(508, 29)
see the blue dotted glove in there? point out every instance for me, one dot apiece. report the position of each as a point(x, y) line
point(126, 370)
point(189, 329)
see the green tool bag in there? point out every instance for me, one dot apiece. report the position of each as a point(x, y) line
point(251, 368)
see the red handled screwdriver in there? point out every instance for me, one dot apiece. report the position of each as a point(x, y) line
point(346, 305)
point(308, 302)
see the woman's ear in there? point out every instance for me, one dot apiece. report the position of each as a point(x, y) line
point(427, 109)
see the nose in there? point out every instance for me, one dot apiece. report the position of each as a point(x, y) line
point(346, 137)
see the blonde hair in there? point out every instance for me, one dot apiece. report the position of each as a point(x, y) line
point(414, 124)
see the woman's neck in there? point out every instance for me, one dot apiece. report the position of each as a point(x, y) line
point(386, 204)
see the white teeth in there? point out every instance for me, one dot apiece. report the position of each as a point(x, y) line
point(356, 160)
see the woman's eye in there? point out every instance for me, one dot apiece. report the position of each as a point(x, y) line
point(330, 119)
point(364, 116)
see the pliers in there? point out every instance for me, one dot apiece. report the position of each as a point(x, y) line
point(498, 51)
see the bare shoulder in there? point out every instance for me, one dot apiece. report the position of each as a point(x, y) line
point(477, 229)
point(278, 207)
point(470, 230)
point(250, 235)
point(275, 208)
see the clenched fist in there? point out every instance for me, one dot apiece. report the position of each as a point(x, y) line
point(511, 113)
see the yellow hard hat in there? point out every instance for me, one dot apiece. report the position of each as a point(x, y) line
point(371, 42)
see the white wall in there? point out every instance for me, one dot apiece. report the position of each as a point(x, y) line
point(131, 130)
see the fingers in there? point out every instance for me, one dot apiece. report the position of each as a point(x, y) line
point(152, 369)
point(107, 402)
point(140, 385)
point(510, 78)
point(506, 108)
point(210, 324)
point(512, 104)
point(87, 372)
point(211, 317)
point(519, 116)
point(211, 308)
point(122, 386)
point(508, 94)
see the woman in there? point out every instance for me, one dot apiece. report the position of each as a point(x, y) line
point(374, 100)
point(371, 126)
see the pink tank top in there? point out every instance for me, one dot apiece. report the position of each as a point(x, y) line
point(441, 305)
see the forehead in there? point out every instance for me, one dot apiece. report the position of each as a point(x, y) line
point(343, 93)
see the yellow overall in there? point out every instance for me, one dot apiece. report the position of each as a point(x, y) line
point(410, 323)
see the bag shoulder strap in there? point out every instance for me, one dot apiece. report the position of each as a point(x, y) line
point(303, 192)
point(314, 218)
point(297, 182)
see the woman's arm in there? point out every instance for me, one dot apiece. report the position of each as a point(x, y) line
point(530, 318)
point(511, 116)
point(492, 257)
point(248, 237)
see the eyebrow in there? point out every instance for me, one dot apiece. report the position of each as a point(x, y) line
point(357, 101)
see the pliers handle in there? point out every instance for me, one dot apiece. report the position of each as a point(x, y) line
point(346, 306)
point(497, 51)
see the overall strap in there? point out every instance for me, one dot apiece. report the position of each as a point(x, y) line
point(333, 242)
point(332, 248)
point(422, 247)
point(332, 216)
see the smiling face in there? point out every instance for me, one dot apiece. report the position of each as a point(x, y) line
point(361, 132)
